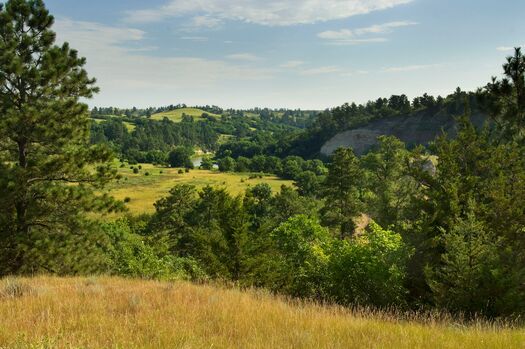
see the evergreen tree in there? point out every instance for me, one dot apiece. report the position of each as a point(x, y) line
point(48, 173)
point(389, 186)
point(341, 192)
point(505, 99)
point(470, 277)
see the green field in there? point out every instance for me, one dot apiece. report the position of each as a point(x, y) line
point(176, 115)
point(130, 126)
point(145, 190)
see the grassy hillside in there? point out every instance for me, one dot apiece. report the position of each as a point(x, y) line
point(116, 313)
point(130, 126)
point(176, 115)
point(145, 190)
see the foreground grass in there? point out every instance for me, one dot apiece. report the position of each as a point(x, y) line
point(115, 313)
point(143, 191)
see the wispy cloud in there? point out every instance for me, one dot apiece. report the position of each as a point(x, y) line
point(250, 57)
point(206, 22)
point(292, 64)
point(194, 38)
point(268, 13)
point(321, 70)
point(507, 48)
point(362, 35)
point(123, 71)
point(356, 41)
point(409, 68)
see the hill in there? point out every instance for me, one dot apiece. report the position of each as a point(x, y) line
point(117, 313)
point(129, 125)
point(176, 114)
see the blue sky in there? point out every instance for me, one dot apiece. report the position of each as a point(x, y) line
point(309, 54)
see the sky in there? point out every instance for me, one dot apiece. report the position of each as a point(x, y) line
point(307, 54)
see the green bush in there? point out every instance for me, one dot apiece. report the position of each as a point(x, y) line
point(302, 254)
point(369, 269)
point(129, 255)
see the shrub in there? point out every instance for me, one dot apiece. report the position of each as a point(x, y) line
point(130, 255)
point(135, 170)
point(299, 266)
point(369, 270)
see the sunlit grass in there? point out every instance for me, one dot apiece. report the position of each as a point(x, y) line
point(176, 115)
point(129, 126)
point(117, 313)
point(143, 191)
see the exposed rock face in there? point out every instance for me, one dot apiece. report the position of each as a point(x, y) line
point(412, 129)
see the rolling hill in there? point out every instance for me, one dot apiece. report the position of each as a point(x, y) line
point(176, 115)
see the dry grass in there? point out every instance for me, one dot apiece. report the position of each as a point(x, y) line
point(144, 190)
point(116, 313)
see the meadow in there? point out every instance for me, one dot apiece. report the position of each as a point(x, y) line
point(144, 190)
point(176, 114)
point(104, 312)
point(129, 126)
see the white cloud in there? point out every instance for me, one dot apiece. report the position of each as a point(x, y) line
point(83, 33)
point(356, 41)
point(125, 74)
point(410, 68)
point(354, 36)
point(507, 48)
point(244, 57)
point(292, 64)
point(195, 38)
point(321, 70)
point(269, 12)
point(205, 22)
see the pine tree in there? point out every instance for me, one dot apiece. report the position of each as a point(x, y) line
point(505, 99)
point(49, 174)
point(388, 183)
point(342, 192)
point(470, 276)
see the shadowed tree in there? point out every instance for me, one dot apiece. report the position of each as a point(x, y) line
point(49, 174)
point(505, 99)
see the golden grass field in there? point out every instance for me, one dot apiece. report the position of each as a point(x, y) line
point(46, 312)
point(144, 190)
point(176, 115)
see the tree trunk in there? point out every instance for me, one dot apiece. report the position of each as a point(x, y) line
point(20, 204)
